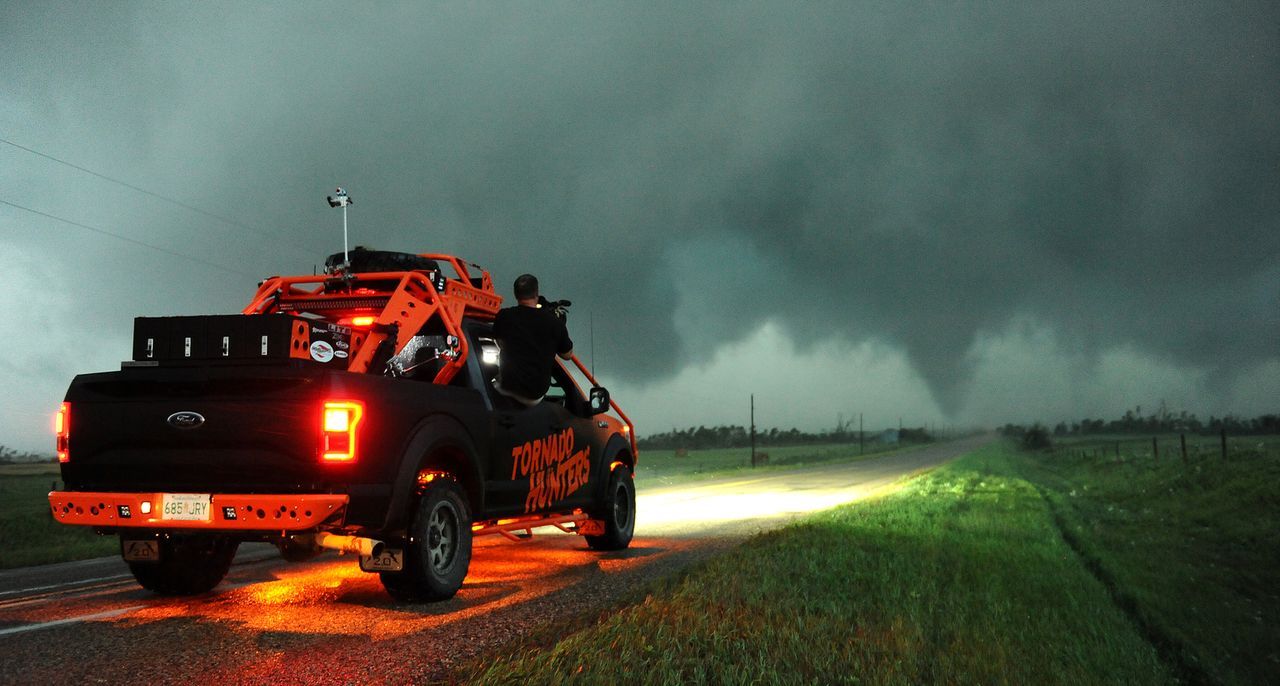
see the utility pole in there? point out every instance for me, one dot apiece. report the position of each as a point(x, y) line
point(753, 429)
point(861, 449)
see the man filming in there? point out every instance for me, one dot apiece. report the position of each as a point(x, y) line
point(531, 337)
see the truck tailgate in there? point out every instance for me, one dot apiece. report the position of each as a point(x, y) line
point(246, 429)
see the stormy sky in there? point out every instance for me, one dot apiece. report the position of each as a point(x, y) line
point(952, 213)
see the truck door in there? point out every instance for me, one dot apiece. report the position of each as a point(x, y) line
point(545, 456)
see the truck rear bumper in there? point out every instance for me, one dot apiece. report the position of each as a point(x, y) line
point(227, 511)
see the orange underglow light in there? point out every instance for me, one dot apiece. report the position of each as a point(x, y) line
point(338, 430)
point(62, 431)
point(426, 476)
point(363, 321)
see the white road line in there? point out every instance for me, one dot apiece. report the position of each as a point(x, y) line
point(78, 582)
point(252, 560)
point(85, 588)
point(70, 620)
point(75, 594)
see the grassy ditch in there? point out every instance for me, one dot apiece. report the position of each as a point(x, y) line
point(1191, 549)
point(963, 576)
point(28, 534)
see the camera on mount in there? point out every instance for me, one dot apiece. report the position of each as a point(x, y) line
point(561, 307)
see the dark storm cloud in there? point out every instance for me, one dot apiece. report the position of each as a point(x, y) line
point(917, 176)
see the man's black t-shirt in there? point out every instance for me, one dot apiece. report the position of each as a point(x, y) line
point(531, 337)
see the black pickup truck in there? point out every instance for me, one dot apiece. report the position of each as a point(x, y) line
point(354, 411)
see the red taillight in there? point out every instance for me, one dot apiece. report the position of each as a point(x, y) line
point(363, 322)
point(338, 430)
point(62, 430)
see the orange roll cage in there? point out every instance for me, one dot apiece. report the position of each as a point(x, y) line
point(629, 427)
point(417, 297)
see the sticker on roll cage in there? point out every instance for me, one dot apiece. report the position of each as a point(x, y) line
point(554, 469)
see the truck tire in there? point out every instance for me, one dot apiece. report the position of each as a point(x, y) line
point(618, 512)
point(188, 565)
point(438, 551)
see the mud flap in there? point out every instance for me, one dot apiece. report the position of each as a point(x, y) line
point(391, 560)
point(140, 551)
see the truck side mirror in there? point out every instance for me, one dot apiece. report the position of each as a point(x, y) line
point(599, 399)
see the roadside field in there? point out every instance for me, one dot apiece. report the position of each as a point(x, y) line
point(30, 469)
point(28, 534)
point(1003, 567)
point(664, 467)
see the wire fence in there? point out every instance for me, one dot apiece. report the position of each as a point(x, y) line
point(1186, 448)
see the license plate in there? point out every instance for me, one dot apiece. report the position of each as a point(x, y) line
point(185, 507)
point(391, 560)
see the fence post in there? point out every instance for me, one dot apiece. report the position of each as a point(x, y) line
point(1224, 444)
point(1183, 438)
point(1155, 449)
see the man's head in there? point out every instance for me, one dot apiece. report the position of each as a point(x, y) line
point(526, 287)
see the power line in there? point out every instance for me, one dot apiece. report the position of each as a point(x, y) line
point(128, 240)
point(179, 203)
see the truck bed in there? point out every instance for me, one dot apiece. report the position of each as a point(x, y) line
point(260, 431)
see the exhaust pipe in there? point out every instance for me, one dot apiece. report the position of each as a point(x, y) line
point(348, 544)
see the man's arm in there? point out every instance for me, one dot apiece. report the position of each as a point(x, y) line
point(564, 347)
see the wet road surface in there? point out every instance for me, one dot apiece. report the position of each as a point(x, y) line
point(325, 621)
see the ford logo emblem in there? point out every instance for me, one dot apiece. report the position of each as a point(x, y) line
point(186, 420)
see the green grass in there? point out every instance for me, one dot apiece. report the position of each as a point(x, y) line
point(662, 467)
point(960, 577)
point(28, 534)
point(1070, 566)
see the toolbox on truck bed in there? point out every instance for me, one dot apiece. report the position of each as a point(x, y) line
point(265, 338)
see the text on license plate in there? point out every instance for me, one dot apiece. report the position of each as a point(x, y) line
point(185, 506)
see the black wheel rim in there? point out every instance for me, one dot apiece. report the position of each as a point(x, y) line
point(442, 537)
point(621, 508)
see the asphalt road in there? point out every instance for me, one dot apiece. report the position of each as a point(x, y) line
point(327, 622)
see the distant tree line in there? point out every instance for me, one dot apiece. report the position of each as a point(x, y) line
point(10, 456)
point(1162, 421)
point(735, 436)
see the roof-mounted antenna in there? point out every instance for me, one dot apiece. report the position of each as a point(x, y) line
point(341, 199)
